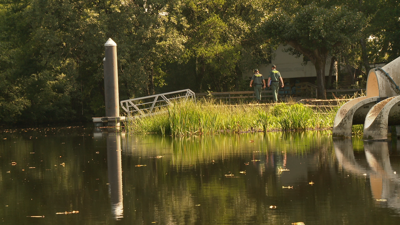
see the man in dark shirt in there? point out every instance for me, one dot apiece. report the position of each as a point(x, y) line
point(259, 83)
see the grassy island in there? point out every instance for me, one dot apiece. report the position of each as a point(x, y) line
point(211, 117)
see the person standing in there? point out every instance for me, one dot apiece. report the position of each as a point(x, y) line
point(257, 80)
point(273, 81)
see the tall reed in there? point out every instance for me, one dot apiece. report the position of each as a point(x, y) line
point(209, 117)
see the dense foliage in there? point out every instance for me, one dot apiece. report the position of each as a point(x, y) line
point(51, 63)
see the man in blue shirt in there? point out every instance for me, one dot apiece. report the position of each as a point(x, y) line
point(273, 81)
point(259, 83)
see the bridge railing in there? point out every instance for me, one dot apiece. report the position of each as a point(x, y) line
point(145, 106)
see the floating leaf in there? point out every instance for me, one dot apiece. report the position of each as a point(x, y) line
point(283, 169)
point(287, 187)
point(35, 216)
point(140, 165)
point(66, 213)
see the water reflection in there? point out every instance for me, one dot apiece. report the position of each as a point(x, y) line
point(114, 165)
point(271, 178)
point(384, 183)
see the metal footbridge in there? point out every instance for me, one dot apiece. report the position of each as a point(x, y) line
point(154, 104)
point(378, 110)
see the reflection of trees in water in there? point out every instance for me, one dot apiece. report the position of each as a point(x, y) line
point(190, 181)
point(192, 150)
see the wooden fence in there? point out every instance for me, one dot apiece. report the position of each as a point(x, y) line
point(236, 96)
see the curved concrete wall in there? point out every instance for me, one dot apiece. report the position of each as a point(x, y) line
point(383, 114)
point(381, 84)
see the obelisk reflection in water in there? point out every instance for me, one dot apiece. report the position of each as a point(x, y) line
point(115, 173)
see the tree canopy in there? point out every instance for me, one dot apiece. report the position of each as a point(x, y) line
point(315, 31)
point(51, 62)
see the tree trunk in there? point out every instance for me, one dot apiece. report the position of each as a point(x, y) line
point(320, 69)
point(331, 68)
point(318, 58)
point(150, 84)
point(239, 78)
point(364, 56)
point(350, 71)
point(199, 74)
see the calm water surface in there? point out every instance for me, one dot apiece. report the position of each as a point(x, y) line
point(85, 176)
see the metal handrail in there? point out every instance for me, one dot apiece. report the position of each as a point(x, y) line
point(139, 105)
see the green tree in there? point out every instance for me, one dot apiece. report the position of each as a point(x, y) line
point(218, 35)
point(314, 31)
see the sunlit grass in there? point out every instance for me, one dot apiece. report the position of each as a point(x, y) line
point(209, 117)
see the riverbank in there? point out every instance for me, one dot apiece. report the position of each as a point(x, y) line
point(210, 117)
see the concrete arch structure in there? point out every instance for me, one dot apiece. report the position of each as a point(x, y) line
point(381, 87)
point(382, 115)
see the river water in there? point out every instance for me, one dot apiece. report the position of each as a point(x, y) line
point(76, 175)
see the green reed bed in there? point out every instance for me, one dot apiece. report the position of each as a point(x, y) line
point(210, 117)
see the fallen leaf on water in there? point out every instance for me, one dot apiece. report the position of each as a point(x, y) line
point(229, 175)
point(287, 187)
point(381, 200)
point(32, 167)
point(283, 170)
point(159, 157)
point(62, 164)
point(251, 141)
point(4, 138)
point(311, 183)
point(31, 153)
point(13, 163)
point(243, 172)
point(298, 223)
point(255, 160)
point(272, 206)
point(246, 163)
point(197, 205)
point(35, 216)
point(8, 172)
point(65, 213)
point(140, 165)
